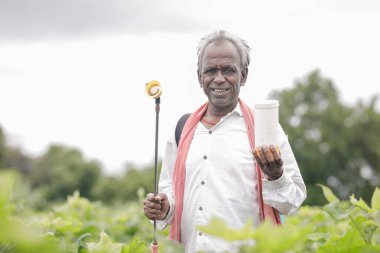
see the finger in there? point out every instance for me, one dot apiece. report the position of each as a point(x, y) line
point(262, 161)
point(275, 151)
point(155, 214)
point(280, 162)
point(150, 196)
point(162, 199)
point(151, 216)
point(152, 205)
point(152, 212)
point(269, 156)
point(262, 156)
point(257, 158)
point(162, 196)
point(153, 198)
point(276, 155)
point(157, 199)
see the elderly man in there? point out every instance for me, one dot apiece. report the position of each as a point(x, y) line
point(216, 170)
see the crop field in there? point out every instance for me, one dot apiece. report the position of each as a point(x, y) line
point(79, 225)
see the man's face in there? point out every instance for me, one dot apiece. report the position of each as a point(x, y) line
point(221, 75)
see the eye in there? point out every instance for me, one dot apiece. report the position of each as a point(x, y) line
point(229, 71)
point(210, 72)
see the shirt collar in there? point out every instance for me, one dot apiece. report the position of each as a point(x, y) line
point(236, 110)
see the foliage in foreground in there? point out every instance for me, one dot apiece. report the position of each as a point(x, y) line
point(82, 226)
point(338, 227)
point(78, 225)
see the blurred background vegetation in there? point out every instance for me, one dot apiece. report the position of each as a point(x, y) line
point(335, 144)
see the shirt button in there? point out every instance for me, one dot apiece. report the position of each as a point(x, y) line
point(210, 132)
point(202, 182)
point(200, 233)
point(205, 157)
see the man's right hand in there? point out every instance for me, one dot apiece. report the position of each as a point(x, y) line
point(156, 206)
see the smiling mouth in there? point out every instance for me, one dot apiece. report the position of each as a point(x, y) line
point(220, 90)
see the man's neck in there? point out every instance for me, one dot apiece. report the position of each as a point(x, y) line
point(214, 112)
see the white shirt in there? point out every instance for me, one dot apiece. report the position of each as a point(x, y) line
point(221, 181)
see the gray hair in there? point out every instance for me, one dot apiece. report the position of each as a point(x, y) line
point(220, 35)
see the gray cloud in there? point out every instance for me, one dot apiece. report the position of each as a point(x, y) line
point(34, 19)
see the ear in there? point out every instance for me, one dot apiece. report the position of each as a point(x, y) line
point(199, 78)
point(244, 75)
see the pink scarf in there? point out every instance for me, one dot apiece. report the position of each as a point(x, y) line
point(179, 176)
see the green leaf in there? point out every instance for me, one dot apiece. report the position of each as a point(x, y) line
point(375, 201)
point(329, 195)
point(350, 242)
point(359, 203)
point(318, 236)
point(269, 238)
point(279, 239)
point(105, 245)
point(135, 246)
point(218, 228)
point(371, 249)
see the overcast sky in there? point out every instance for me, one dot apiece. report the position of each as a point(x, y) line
point(73, 71)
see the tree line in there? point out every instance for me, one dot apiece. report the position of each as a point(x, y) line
point(335, 144)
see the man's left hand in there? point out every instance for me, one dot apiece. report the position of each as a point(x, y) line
point(269, 161)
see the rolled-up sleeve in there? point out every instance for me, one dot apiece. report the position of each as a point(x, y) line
point(288, 192)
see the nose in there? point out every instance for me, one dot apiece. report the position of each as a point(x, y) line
point(219, 77)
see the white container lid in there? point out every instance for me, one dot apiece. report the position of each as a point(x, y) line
point(266, 104)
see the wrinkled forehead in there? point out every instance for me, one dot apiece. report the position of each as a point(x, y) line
point(221, 51)
point(220, 63)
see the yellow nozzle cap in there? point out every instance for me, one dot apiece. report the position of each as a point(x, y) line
point(153, 89)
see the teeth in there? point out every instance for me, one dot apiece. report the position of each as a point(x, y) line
point(219, 90)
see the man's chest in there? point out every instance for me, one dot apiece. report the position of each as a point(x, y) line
point(221, 153)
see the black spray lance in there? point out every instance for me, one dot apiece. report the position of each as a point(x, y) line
point(154, 90)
